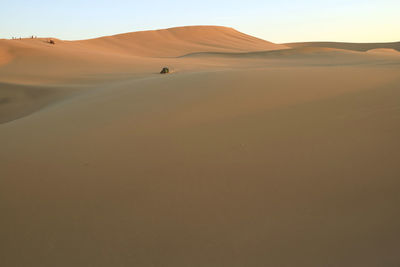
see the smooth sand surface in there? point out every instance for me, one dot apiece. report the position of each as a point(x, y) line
point(248, 154)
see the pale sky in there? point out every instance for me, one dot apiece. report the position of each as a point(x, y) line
point(277, 21)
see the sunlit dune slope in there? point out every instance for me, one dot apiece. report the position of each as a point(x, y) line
point(182, 40)
point(35, 60)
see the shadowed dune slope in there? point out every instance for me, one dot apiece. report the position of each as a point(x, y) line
point(284, 53)
point(301, 56)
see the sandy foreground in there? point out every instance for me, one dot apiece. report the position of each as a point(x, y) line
point(248, 154)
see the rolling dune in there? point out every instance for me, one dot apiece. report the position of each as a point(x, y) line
point(248, 154)
point(348, 46)
point(385, 50)
point(175, 42)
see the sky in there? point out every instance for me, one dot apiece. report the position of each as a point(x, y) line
point(278, 21)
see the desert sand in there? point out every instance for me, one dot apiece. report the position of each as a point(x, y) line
point(249, 153)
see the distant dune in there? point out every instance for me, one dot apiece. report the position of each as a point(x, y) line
point(348, 46)
point(182, 40)
point(249, 153)
point(385, 50)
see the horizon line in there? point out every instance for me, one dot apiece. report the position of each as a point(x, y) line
point(188, 26)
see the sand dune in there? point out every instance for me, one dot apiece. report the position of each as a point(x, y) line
point(348, 46)
point(248, 154)
point(385, 50)
point(182, 40)
point(304, 56)
point(40, 61)
point(302, 52)
point(34, 62)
